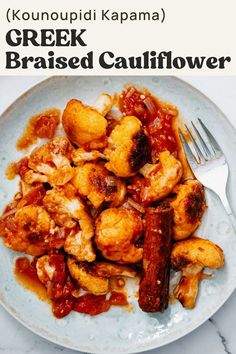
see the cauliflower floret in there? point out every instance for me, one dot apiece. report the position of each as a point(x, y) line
point(187, 289)
point(45, 271)
point(160, 179)
point(108, 270)
point(190, 257)
point(50, 163)
point(116, 232)
point(103, 104)
point(29, 230)
point(94, 182)
point(86, 279)
point(78, 244)
point(95, 278)
point(189, 205)
point(127, 147)
point(84, 125)
point(65, 202)
point(80, 156)
point(33, 219)
point(196, 250)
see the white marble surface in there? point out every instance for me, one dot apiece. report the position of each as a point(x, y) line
point(217, 335)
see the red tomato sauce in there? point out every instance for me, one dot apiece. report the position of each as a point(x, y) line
point(57, 240)
point(26, 274)
point(45, 125)
point(60, 289)
point(11, 171)
point(118, 299)
point(96, 304)
point(91, 304)
point(61, 308)
point(42, 125)
point(157, 118)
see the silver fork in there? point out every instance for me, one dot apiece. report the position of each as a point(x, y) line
point(208, 163)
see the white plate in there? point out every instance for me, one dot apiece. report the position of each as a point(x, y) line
point(119, 331)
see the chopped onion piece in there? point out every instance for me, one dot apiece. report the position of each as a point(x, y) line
point(114, 114)
point(130, 92)
point(150, 105)
point(136, 206)
point(10, 212)
point(169, 110)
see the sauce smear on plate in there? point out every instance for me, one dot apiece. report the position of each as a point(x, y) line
point(26, 274)
point(42, 125)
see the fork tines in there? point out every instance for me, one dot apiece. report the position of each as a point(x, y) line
point(201, 149)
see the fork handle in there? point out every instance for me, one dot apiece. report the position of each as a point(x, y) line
point(228, 210)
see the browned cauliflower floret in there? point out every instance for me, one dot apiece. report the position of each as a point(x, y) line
point(116, 232)
point(86, 279)
point(84, 125)
point(29, 230)
point(189, 205)
point(94, 182)
point(190, 257)
point(65, 202)
point(187, 289)
point(160, 179)
point(197, 250)
point(50, 163)
point(95, 278)
point(127, 147)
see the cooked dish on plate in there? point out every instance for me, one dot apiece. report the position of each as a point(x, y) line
point(107, 195)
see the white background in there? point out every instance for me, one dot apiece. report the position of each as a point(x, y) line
point(192, 28)
point(217, 336)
